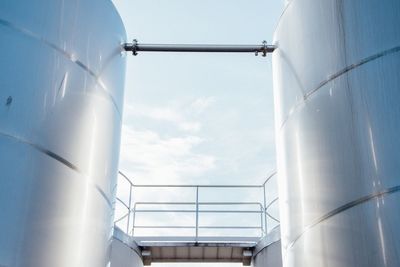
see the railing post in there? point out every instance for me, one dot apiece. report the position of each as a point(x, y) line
point(197, 213)
point(129, 208)
point(133, 219)
point(263, 232)
point(265, 210)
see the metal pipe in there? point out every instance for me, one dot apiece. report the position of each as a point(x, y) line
point(197, 213)
point(262, 48)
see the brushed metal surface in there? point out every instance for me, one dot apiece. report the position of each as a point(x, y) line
point(61, 80)
point(336, 86)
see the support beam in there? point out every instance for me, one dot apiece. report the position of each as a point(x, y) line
point(262, 48)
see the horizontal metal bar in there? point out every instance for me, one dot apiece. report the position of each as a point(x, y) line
point(230, 203)
point(230, 227)
point(195, 260)
point(194, 227)
point(164, 203)
point(165, 211)
point(201, 186)
point(203, 211)
point(224, 241)
point(194, 186)
point(163, 227)
point(200, 203)
point(136, 47)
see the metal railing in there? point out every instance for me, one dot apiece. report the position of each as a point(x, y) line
point(198, 208)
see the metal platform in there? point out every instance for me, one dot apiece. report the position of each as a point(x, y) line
point(206, 249)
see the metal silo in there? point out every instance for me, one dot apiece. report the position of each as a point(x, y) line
point(61, 95)
point(337, 93)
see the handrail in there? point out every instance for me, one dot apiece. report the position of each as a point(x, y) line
point(273, 173)
point(194, 186)
point(198, 207)
point(268, 206)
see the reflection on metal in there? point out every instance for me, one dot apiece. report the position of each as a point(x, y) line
point(61, 94)
point(120, 235)
point(70, 56)
point(272, 237)
point(136, 47)
point(212, 246)
point(337, 117)
point(42, 150)
point(346, 207)
point(341, 72)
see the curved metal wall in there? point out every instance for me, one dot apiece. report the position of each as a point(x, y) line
point(336, 79)
point(61, 95)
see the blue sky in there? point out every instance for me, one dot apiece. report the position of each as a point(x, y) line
point(198, 118)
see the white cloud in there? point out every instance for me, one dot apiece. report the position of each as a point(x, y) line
point(201, 104)
point(177, 115)
point(190, 126)
point(174, 115)
point(156, 113)
point(151, 157)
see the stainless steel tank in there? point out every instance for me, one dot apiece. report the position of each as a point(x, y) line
point(61, 95)
point(337, 95)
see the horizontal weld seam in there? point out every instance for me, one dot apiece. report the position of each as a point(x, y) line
point(343, 208)
point(338, 74)
point(70, 57)
point(353, 66)
point(58, 158)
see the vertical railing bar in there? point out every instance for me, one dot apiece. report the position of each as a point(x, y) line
point(197, 214)
point(263, 232)
point(265, 210)
point(133, 219)
point(129, 208)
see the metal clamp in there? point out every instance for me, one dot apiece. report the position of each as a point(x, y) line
point(132, 47)
point(265, 48)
